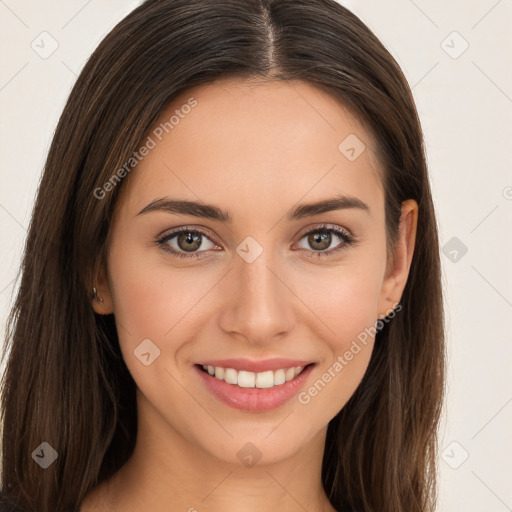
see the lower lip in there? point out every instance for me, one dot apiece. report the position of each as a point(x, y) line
point(254, 399)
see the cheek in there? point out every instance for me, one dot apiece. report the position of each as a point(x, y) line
point(163, 305)
point(153, 302)
point(150, 297)
point(345, 301)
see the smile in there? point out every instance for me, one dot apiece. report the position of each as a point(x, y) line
point(254, 391)
point(246, 379)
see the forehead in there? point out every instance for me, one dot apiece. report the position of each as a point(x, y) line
point(249, 142)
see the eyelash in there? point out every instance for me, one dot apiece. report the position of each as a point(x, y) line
point(348, 240)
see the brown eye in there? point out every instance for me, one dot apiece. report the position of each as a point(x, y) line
point(183, 241)
point(189, 241)
point(320, 239)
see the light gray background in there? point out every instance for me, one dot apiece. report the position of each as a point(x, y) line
point(464, 97)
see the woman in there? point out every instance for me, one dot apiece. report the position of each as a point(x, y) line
point(230, 294)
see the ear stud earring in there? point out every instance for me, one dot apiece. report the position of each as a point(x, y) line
point(95, 295)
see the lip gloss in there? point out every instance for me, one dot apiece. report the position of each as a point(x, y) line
point(254, 399)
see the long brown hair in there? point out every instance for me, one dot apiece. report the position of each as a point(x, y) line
point(66, 382)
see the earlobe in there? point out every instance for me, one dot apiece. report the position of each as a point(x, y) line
point(100, 294)
point(398, 269)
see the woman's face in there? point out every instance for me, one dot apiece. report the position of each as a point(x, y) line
point(272, 282)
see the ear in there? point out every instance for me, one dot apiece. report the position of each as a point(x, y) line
point(398, 266)
point(100, 282)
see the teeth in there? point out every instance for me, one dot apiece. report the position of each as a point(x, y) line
point(230, 376)
point(265, 379)
point(280, 377)
point(246, 379)
point(290, 373)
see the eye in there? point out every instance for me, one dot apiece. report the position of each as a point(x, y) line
point(185, 242)
point(321, 238)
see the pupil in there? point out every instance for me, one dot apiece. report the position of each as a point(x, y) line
point(318, 238)
point(189, 238)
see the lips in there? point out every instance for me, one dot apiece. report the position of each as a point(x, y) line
point(258, 396)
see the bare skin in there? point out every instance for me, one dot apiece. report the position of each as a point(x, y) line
point(256, 151)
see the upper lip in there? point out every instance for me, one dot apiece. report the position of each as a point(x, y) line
point(248, 365)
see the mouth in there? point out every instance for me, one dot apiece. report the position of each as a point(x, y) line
point(247, 379)
point(254, 391)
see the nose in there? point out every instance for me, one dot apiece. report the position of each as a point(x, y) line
point(258, 301)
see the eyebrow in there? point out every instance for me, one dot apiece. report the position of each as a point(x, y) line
point(193, 208)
